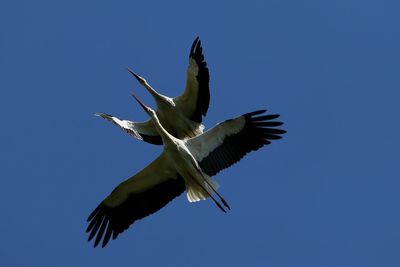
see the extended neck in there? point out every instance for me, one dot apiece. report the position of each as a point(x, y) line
point(158, 97)
point(165, 135)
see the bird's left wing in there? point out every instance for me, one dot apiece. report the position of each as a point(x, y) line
point(139, 196)
point(141, 130)
point(229, 141)
point(195, 99)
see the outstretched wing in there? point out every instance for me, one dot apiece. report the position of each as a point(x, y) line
point(139, 196)
point(195, 99)
point(229, 141)
point(141, 130)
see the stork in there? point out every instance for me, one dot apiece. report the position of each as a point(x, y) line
point(181, 116)
point(183, 165)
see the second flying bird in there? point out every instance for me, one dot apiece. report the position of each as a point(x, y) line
point(181, 116)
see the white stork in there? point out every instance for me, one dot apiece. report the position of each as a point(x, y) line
point(181, 116)
point(183, 165)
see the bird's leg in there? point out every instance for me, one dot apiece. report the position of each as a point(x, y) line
point(223, 201)
point(215, 201)
point(215, 191)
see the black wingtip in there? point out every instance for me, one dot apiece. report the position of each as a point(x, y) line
point(254, 113)
point(203, 78)
point(256, 132)
point(195, 44)
point(94, 212)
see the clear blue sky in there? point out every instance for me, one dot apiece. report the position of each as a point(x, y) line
point(327, 194)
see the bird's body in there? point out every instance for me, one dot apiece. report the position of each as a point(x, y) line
point(181, 116)
point(180, 159)
point(180, 127)
point(184, 164)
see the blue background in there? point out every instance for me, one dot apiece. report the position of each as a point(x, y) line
point(325, 195)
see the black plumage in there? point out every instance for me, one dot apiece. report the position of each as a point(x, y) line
point(107, 221)
point(256, 132)
point(203, 78)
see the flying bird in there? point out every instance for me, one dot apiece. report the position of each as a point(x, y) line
point(181, 116)
point(183, 165)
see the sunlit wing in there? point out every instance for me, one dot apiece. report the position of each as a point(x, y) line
point(141, 130)
point(195, 99)
point(229, 141)
point(139, 196)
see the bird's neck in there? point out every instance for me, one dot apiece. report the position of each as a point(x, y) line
point(166, 137)
point(158, 97)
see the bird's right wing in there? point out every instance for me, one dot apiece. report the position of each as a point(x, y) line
point(229, 141)
point(141, 130)
point(195, 99)
point(139, 196)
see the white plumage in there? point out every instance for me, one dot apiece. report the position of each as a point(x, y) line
point(186, 164)
point(181, 116)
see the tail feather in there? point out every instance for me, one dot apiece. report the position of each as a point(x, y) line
point(196, 193)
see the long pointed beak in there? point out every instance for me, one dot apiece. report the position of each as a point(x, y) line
point(140, 79)
point(140, 102)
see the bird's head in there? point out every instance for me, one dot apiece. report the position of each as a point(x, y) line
point(148, 110)
point(140, 79)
